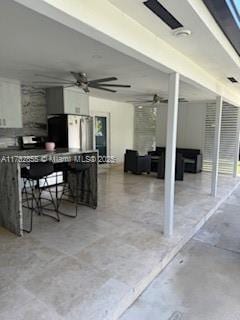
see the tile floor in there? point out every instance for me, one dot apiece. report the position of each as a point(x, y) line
point(94, 266)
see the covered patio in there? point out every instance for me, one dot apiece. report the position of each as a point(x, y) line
point(94, 266)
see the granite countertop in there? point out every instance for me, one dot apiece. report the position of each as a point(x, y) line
point(42, 152)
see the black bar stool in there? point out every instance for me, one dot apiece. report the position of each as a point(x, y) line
point(64, 168)
point(31, 177)
point(78, 193)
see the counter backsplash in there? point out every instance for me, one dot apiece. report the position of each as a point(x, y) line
point(34, 113)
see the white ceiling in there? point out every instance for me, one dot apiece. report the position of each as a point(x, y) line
point(201, 47)
point(32, 44)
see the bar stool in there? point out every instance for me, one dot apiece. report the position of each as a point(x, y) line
point(64, 168)
point(31, 177)
point(81, 173)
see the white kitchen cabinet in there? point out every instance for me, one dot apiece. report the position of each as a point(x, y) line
point(2, 101)
point(67, 101)
point(10, 104)
point(1, 107)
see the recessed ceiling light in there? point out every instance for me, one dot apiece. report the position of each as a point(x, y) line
point(182, 32)
point(140, 107)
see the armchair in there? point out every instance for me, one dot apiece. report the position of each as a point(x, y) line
point(179, 167)
point(135, 163)
point(192, 160)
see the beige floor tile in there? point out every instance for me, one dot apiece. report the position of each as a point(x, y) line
point(64, 284)
point(22, 258)
point(12, 297)
point(119, 259)
point(102, 304)
point(32, 310)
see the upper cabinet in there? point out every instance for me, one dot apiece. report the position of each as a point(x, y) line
point(67, 101)
point(10, 104)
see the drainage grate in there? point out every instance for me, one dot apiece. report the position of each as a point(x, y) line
point(176, 316)
point(232, 79)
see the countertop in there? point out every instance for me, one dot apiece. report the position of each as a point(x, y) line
point(42, 152)
point(38, 155)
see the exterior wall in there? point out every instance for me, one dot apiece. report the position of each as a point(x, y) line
point(191, 125)
point(121, 124)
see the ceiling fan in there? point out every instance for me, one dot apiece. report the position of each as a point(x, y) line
point(81, 81)
point(156, 99)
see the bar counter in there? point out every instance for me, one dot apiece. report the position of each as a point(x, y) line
point(11, 162)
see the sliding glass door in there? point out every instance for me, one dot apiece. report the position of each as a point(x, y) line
point(101, 135)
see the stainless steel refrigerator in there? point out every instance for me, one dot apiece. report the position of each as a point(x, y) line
point(71, 131)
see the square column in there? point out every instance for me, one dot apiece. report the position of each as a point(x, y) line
point(216, 146)
point(236, 156)
point(172, 117)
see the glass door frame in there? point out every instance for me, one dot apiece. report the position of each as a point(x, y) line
point(95, 114)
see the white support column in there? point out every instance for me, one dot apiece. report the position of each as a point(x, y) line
point(236, 156)
point(216, 147)
point(172, 115)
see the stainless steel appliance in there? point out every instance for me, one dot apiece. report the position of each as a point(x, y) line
point(31, 142)
point(71, 131)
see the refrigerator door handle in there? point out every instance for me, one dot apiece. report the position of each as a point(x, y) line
point(81, 134)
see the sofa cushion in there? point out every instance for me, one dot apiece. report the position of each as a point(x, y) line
point(187, 160)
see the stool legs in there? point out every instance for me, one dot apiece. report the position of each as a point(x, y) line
point(67, 191)
point(36, 200)
point(77, 194)
point(29, 207)
point(51, 200)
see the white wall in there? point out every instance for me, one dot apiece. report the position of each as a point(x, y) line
point(121, 124)
point(191, 125)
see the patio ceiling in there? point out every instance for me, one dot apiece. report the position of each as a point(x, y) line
point(207, 45)
point(33, 44)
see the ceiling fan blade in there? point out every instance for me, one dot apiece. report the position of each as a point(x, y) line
point(101, 88)
point(50, 77)
point(141, 101)
point(103, 80)
point(47, 82)
point(115, 85)
point(69, 86)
